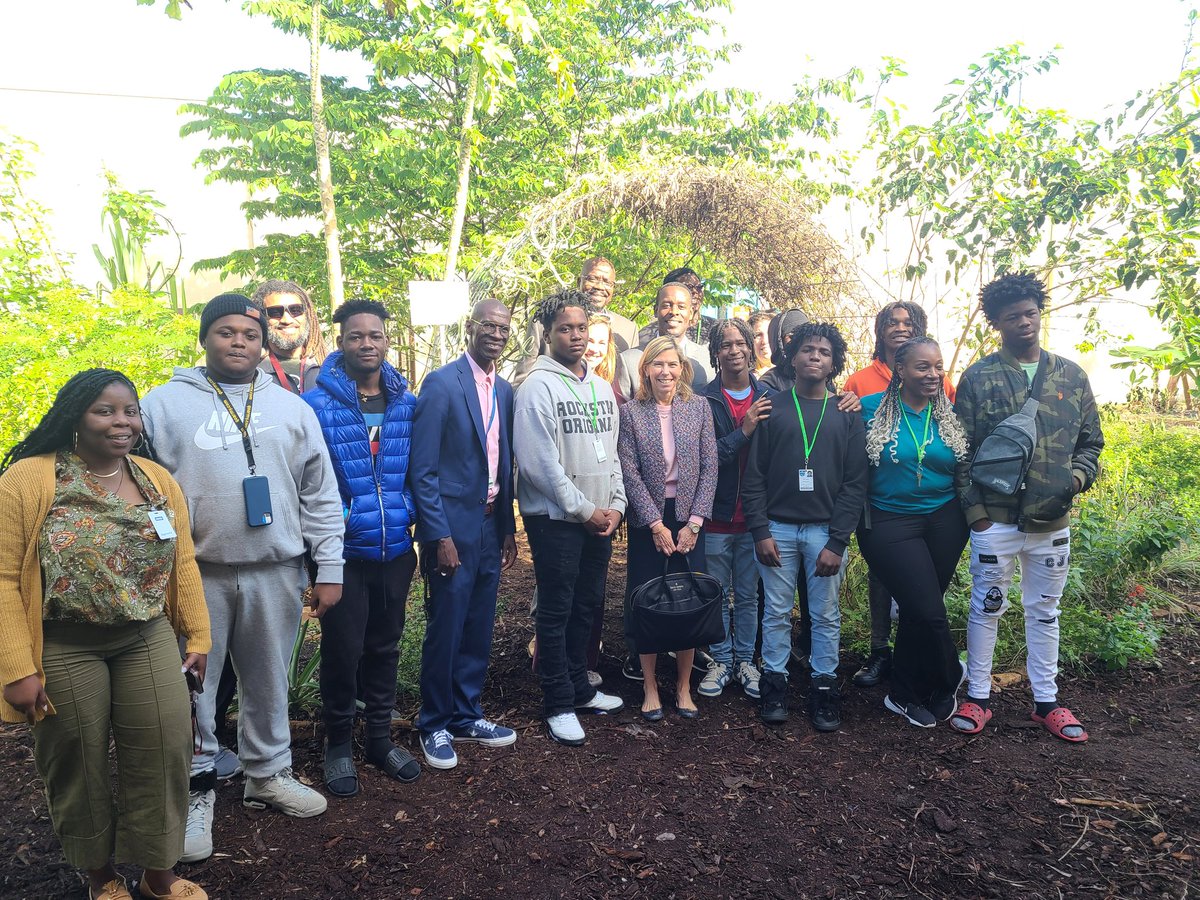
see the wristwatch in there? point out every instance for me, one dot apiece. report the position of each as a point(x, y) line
point(695, 528)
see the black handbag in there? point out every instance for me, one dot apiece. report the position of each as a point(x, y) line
point(677, 611)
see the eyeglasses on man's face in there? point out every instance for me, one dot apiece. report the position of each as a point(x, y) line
point(491, 328)
point(295, 310)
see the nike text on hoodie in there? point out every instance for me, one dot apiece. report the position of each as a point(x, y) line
point(199, 443)
point(556, 427)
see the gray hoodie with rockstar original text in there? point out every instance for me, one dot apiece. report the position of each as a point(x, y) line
point(556, 424)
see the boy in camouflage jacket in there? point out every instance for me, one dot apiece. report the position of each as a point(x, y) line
point(1033, 525)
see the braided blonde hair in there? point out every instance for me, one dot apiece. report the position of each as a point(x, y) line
point(885, 426)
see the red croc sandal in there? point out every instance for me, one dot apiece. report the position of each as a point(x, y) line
point(1059, 718)
point(973, 713)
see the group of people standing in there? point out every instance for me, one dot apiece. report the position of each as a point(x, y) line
point(153, 540)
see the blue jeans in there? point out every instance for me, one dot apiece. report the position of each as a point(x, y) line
point(731, 561)
point(800, 545)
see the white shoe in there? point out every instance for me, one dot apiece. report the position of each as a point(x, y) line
point(594, 679)
point(197, 836)
point(602, 703)
point(283, 792)
point(565, 729)
point(714, 680)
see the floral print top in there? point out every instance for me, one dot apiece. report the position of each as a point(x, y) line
point(102, 561)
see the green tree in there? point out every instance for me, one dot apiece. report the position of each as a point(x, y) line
point(635, 69)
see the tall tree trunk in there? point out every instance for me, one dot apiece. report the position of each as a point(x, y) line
point(333, 253)
point(464, 169)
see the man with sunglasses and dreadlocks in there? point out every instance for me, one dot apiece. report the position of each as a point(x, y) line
point(895, 324)
point(913, 531)
point(295, 349)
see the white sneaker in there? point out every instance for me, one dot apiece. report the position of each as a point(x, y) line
point(714, 680)
point(595, 679)
point(565, 729)
point(602, 703)
point(747, 676)
point(283, 792)
point(197, 835)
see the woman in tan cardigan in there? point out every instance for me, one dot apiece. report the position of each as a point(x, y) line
point(98, 584)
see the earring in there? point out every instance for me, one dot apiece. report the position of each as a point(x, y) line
point(74, 440)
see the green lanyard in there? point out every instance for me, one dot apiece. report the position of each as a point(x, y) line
point(595, 405)
point(808, 446)
point(923, 446)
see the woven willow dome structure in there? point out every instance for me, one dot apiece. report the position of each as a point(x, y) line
point(759, 225)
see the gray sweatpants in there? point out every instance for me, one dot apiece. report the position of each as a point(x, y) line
point(254, 611)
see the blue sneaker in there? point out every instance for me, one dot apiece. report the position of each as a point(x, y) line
point(439, 750)
point(481, 731)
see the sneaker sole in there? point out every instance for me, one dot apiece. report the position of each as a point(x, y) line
point(825, 729)
point(486, 742)
point(592, 711)
point(442, 764)
point(638, 677)
point(710, 692)
point(900, 711)
point(755, 694)
point(254, 803)
point(774, 720)
point(566, 742)
point(232, 775)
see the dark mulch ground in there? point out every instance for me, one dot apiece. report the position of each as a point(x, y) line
point(723, 807)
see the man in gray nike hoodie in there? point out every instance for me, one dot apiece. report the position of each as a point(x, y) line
point(572, 497)
point(253, 575)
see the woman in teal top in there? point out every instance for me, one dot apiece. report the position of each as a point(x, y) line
point(914, 531)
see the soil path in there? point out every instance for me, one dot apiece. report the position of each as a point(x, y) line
point(721, 807)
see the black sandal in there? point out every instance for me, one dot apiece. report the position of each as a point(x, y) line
point(338, 768)
point(395, 764)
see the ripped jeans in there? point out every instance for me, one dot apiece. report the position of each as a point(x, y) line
point(1045, 559)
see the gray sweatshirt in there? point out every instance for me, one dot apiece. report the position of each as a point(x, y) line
point(198, 442)
point(554, 434)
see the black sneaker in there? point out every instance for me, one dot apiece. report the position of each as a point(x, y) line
point(915, 713)
point(773, 707)
point(632, 668)
point(875, 669)
point(824, 703)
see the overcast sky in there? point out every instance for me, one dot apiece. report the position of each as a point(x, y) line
point(93, 50)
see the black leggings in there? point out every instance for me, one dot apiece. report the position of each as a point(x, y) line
point(915, 557)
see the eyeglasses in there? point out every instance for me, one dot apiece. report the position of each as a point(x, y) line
point(491, 328)
point(295, 310)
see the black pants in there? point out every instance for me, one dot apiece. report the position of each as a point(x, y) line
point(643, 562)
point(915, 557)
point(571, 567)
point(364, 626)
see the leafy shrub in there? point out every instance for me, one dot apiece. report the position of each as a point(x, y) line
point(48, 335)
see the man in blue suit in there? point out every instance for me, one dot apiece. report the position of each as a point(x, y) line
point(461, 474)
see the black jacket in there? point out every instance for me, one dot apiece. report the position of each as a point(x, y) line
point(730, 441)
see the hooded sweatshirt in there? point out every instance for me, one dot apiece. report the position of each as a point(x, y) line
point(196, 440)
point(555, 426)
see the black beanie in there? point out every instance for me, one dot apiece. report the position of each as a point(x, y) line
point(228, 305)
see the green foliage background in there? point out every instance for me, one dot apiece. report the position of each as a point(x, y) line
point(48, 336)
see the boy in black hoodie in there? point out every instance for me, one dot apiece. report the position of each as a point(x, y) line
point(806, 479)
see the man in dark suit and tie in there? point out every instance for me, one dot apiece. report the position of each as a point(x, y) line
point(461, 474)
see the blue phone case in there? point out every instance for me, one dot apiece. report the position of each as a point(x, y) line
point(257, 490)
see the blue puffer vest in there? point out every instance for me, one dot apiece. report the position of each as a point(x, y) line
point(378, 507)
